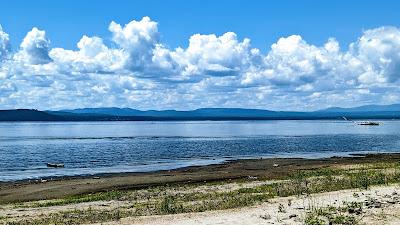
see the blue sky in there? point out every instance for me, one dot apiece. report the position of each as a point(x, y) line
point(289, 55)
point(261, 21)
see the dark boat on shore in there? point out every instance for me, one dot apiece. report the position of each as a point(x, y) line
point(55, 165)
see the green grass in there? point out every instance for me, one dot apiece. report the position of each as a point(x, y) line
point(101, 196)
point(334, 215)
point(74, 217)
point(180, 198)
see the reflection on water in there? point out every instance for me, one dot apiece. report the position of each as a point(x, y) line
point(104, 147)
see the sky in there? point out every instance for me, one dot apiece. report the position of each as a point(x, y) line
point(280, 55)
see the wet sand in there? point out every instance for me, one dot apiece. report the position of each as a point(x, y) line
point(271, 168)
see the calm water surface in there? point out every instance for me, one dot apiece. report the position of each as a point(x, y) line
point(107, 147)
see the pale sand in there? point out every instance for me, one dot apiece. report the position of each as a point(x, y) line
point(268, 213)
point(31, 211)
point(387, 212)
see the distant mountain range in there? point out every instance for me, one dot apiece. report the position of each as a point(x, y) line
point(214, 112)
point(128, 114)
point(366, 108)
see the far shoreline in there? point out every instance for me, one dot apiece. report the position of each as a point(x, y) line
point(233, 119)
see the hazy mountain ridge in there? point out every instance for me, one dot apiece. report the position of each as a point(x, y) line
point(168, 113)
point(237, 112)
point(365, 108)
point(128, 114)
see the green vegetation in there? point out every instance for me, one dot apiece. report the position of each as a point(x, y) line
point(334, 215)
point(183, 198)
point(102, 196)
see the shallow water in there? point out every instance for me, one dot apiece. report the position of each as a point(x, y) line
point(108, 147)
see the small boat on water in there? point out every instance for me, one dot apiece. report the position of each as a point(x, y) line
point(368, 123)
point(55, 165)
point(363, 123)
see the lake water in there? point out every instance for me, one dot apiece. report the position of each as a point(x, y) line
point(108, 147)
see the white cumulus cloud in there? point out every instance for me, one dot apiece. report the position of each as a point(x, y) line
point(4, 44)
point(138, 70)
point(35, 48)
point(215, 56)
point(138, 39)
point(379, 51)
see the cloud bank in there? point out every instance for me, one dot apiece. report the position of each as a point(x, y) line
point(137, 70)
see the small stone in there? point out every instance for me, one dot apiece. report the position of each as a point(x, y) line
point(281, 208)
point(265, 217)
point(358, 211)
point(377, 205)
point(292, 216)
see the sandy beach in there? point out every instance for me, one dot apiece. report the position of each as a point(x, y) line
point(384, 209)
point(362, 189)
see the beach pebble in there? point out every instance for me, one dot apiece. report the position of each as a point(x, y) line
point(391, 201)
point(377, 205)
point(265, 217)
point(281, 208)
